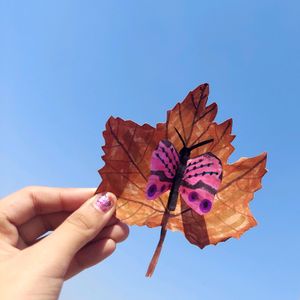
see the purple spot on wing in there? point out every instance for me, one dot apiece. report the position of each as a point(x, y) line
point(205, 205)
point(193, 196)
point(152, 190)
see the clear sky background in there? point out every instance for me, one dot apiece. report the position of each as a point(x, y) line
point(66, 66)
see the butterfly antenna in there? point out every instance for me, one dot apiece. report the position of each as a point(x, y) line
point(182, 140)
point(201, 144)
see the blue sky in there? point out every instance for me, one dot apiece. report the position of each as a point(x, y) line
point(66, 66)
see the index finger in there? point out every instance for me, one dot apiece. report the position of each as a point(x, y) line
point(23, 205)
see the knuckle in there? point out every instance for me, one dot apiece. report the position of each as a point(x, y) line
point(29, 189)
point(113, 246)
point(125, 232)
point(110, 246)
point(6, 228)
point(3, 222)
point(32, 192)
point(81, 223)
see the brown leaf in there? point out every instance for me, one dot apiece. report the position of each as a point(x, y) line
point(127, 153)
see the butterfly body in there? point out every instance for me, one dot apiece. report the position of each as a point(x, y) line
point(184, 156)
point(196, 180)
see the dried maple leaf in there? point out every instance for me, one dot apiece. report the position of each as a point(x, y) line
point(127, 154)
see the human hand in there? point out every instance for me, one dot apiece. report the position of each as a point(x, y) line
point(84, 233)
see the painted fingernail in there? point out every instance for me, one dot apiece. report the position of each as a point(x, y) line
point(103, 203)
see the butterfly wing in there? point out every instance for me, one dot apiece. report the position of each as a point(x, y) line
point(163, 166)
point(201, 181)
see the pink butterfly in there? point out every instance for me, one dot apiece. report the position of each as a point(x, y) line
point(197, 179)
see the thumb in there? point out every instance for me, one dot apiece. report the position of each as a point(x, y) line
point(81, 226)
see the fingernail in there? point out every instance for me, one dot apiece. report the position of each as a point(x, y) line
point(103, 203)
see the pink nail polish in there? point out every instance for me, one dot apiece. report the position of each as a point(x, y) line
point(103, 203)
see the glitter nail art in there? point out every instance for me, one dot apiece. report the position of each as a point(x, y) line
point(103, 203)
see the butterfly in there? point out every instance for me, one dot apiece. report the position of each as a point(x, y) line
point(197, 179)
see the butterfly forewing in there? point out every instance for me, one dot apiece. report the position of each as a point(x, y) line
point(163, 166)
point(200, 183)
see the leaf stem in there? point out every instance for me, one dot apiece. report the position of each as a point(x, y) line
point(157, 251)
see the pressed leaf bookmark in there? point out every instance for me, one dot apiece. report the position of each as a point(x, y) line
point(176, 175)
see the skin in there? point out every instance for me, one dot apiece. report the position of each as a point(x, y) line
point(35, 267)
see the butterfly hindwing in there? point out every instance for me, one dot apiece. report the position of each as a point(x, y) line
point(164, 163)
point(201, 181)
